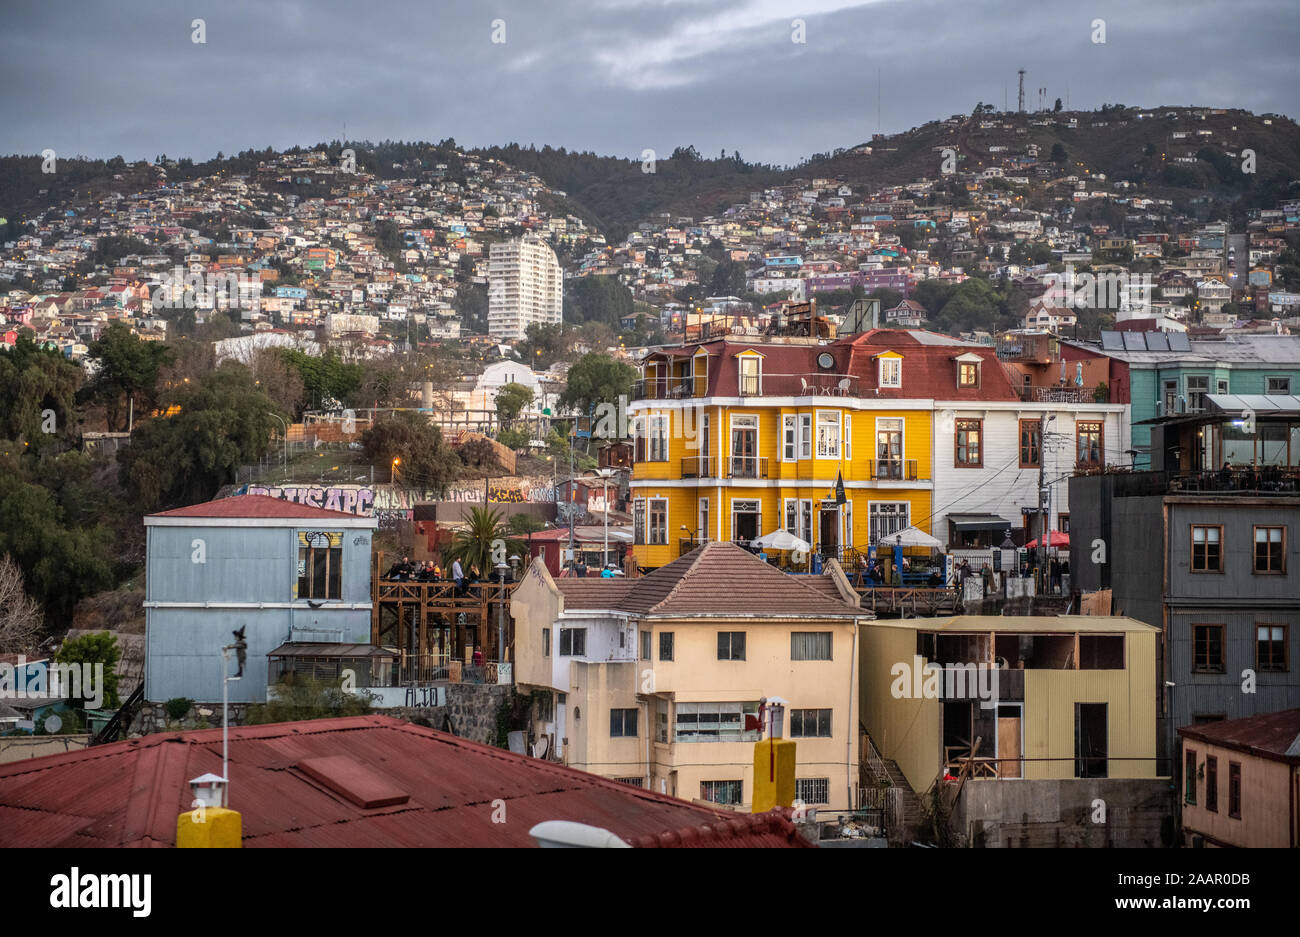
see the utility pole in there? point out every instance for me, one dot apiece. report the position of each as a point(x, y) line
point(1020, 98)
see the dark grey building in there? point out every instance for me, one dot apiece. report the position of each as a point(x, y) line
point(1210, 556)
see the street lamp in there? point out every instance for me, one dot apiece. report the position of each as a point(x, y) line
point(286, 439)
point(605, 474)
point(392, 474)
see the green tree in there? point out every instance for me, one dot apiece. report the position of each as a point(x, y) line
point(596, 378)
point(128, 367)
point(471, 304)
point(597, 299)
point(35, 384)
point(328, 381)
point(97, 648)
point(425, 458)
point(473, 544)
point(1058, 153)
point(511, 400)
point(225, 421)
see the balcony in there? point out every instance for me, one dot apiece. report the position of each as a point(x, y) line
point(1264, 480)
point(697, 466)
point(747, 467)
point(669, 388)
point(892, 469)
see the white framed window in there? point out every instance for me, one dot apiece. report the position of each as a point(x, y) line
point(751, 375)
point(798, 517)
point(805, 435)
point(789, 437)
point(714, 722)
point(891, 372)
point(885, 518)
point(703, 532)
point(848, 437)
point(657, 525)
point(828, 434)
point(848, 523)
point(658, 442)
point(810, 645)
point(638, 521)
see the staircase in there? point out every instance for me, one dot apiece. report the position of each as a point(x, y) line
point(117, 727)
point(907, 815)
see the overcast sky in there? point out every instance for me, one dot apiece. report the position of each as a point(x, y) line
point(614, 76)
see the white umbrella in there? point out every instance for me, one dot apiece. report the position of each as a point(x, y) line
point(910, 537)
point(780, 540)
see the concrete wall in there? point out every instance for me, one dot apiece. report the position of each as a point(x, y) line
point(1095, 812)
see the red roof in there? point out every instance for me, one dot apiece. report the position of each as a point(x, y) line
point(1271, 735)
point(717, 578)
point(358, 781)
point(253, 506)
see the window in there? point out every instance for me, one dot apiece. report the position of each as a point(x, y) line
point(1031, 443)
point(1090, 448)
point(638, 521)
point(573, 642)
point(1234, 790)
point(546, 642)
point(968, 374)
point(1207, 649)
point(885, 518)
point(722, 792)
point(891, 372)
point(1197, 387)
point(661, 720)
point(635, 782)
point(1270, 648)
point(1270, 550)
point(810, 645)
point(828, 434)
point(731, 645)
point(658, 442)
point(789, 437)
point(1063, 523)
point(812, 790)
point(848, 437)
point(645, 645)
point(1189, 777)
point(970, 454)
point(1207, 549)
point(320, 565)
point(622, 723)
point(638, 439)
point(805, 435)
point(658, 526)
point(716, 722)
point(665, 645)
point(810, 723)
point(889, 447)
point(703, 532)
point(1211, 784)
point(751, 375)
point(1278, 386)
point(798, 517)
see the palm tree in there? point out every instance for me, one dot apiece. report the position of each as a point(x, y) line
point(472, 545)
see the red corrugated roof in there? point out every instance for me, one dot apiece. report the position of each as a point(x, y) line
point(130, 793)
point(253, 506)
point(1271, 735)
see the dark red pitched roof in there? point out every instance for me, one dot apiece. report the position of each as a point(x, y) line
point(359, 781)
point(744, 831)
point(253, 506)
point(1272, 735)
point(714, 579)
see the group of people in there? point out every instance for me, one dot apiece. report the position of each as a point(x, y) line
point(406, 571)
point(579, 569)
point(873, 574)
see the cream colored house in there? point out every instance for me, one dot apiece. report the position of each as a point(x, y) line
point(650, 680)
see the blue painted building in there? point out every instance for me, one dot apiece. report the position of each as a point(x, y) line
point(284, 571)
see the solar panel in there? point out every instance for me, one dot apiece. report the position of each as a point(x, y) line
point(1134, 341)
point(1157, 341)
point(1111, 341)
point(1178, 342)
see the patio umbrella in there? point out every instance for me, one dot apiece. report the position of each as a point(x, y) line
point(1054, 539)
point(780, 540)
point(911, 537)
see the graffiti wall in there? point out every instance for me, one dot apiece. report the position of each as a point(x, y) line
point(390, 503)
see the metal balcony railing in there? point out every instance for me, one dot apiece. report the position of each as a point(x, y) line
point(747, 467)
point(892, 469)
point(663, 388)
point(697, 466)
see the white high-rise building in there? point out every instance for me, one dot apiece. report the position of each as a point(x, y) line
point(525, 285)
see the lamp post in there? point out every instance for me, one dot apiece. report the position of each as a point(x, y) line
point(502, 567)
point(392, 473)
